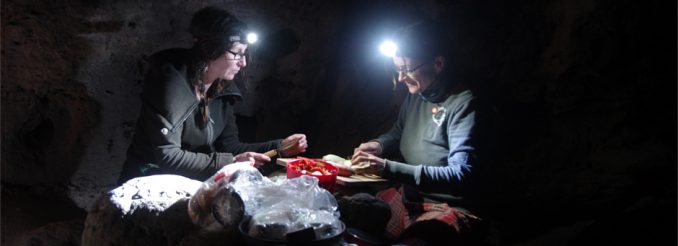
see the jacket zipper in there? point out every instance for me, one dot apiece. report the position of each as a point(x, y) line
point(188, 113)
point(210, 133)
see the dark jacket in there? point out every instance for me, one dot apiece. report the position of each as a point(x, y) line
point(168, 139)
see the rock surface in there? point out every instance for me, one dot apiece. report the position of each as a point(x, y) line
point(144, 211)
point(61, 233)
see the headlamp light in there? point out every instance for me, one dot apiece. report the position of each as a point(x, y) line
point(388, 48)
point(249, 39)
point(252, 38)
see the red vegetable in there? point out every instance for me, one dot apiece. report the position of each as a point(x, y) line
point(305, 166)
point(310, 166)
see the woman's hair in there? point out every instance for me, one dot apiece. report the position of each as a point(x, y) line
point(213, 30)
point(423, 40)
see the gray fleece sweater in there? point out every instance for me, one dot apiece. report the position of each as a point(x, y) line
point(435, 141)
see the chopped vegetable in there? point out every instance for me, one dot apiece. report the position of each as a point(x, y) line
point(305, 165)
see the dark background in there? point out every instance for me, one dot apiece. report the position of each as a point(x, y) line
point(583, 95)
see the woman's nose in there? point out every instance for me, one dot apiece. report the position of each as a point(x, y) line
point(242, 62)
point(401, 76)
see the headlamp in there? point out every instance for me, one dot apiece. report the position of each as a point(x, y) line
point(388, 48)
point(252, 38)
point(249, 39)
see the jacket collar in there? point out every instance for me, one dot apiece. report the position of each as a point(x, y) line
point(231, 90)
point(437, 92)
point(441, 90)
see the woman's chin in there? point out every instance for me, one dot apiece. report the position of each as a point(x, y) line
point(413, 89)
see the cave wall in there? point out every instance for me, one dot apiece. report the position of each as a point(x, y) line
point(583, 94)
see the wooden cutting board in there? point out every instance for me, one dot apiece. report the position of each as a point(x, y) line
point(355, 180)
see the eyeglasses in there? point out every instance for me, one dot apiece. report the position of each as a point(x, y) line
point(236, 56)
point(408, 71)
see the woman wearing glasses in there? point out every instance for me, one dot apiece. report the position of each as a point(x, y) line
point(431, 148)
point(186, 124)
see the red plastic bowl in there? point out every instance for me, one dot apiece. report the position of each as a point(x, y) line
point(325, 181)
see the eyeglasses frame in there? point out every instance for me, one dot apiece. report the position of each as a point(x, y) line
point(236, 56)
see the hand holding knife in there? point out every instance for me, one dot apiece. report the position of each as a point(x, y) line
point(289, 146)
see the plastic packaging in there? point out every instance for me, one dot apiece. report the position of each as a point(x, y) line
point(215, 206)
point(289, 205)
point(273, 209)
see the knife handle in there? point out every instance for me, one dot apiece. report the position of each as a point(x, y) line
point(271, 153)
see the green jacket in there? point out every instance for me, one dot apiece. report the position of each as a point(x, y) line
point(168, 140)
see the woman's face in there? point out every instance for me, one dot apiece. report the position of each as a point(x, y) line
point(417, 75)
point(229, 64)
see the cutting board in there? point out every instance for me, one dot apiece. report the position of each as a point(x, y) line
point(355, 180)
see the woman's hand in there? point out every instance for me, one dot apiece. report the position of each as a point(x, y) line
point(376, 164)
point(371, 147)
point(293, 145)
point(257, 159)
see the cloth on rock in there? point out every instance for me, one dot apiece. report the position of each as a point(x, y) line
point(406, 213)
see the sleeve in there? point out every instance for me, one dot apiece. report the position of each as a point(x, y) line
point(447, 177)
point(390, 141)
point(228, 140)
point(163, 107)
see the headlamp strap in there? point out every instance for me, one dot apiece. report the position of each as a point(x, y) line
point(235, 38)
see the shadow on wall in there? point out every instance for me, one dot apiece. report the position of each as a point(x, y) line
point(277, 117)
